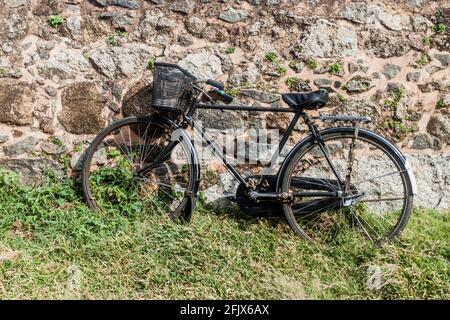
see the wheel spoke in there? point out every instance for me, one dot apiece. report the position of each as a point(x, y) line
point(114, 184)
point(380, 176)
point(381, 199)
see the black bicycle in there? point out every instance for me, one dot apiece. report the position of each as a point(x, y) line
point(337, 179)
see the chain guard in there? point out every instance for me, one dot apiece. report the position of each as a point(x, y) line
point(262, 208)
point(275, 209)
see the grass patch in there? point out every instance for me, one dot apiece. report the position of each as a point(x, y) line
point(53, 247)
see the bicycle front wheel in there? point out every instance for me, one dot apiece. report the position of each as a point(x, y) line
point(124, 169)
point(369, 173)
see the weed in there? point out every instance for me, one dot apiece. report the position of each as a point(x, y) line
point(64, 161)
point(440, 104)
point(342, 98)
point(281, 70)
point(271, 56)
point(293, 63)
point(230, 50)
point(298, 50)
point(151, 64)
point(399, 127)
point(423, 60)
point(426, 40)
point(57, 141)
point(335, 68)
point(79, 146)
point(233, 91)
point(55, 21)
point(114, 39)
point(311, 63)
point(439, 28)
point(291, 81)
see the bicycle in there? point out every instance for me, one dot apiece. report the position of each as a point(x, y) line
point(339, 178)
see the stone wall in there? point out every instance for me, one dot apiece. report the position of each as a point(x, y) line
point(67, 68)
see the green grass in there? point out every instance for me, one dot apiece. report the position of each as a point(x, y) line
point(53, 247)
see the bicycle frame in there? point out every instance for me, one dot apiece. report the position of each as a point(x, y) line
point(189, 121)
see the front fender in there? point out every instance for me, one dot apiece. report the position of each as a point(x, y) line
point(179, 134)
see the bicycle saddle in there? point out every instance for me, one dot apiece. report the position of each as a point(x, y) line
point(309, 100)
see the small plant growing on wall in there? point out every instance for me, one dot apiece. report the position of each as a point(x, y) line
point(55, 21)
point(233, 91)
point(423, 60)
point(281, 69)
point(271, 56)
point(441, 104)
point(230, 50)
point(311, 63)
point(439, 28)
point(291, 81)
point(114, 39)
point(151, 64)
point(335, 68)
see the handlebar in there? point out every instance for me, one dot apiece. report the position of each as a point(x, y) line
point(215, 84)
point(223, 96)
point(217, 90)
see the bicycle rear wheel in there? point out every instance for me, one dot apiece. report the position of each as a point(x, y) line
point(377, 196)
point(124, 171)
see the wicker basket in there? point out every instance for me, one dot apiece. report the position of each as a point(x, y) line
point(172, 88)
